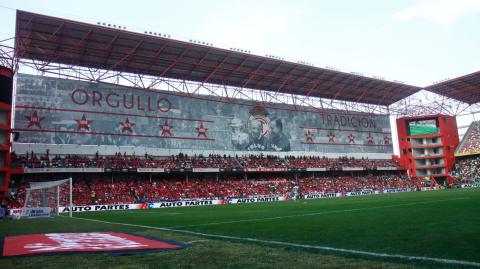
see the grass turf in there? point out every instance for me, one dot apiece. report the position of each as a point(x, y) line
point(442, 224)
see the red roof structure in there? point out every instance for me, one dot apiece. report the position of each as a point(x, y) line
point(464, 89)
point(55, 40)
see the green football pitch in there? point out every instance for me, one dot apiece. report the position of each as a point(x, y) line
point(437, 229)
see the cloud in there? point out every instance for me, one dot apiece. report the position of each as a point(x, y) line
point(443, 12)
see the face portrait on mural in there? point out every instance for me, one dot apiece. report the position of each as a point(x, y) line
point(276, 126)
point(255, 129)
point(278, 140)
point(258, 140)
point(239, 136)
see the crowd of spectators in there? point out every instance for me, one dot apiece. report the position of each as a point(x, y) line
point(210, 161)
point(255, 161)
point(104, 190)
point(467, 169)
point(342, 184)
point(314, 161)
point(118, 160)
point(181, 161)
point(472, 141)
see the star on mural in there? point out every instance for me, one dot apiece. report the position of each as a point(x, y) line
point(369, 138)
point(309, 137)
point(331, 138)
point(166, 129)
point(386, 140)
point(351, 138)
point(34, 120)
point(202, 131)
point(127, 126)
point(83, 123)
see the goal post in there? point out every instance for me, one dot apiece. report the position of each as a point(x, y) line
point(47, 197)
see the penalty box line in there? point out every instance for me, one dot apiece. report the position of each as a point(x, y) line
point(314, 213)
point(288, 244)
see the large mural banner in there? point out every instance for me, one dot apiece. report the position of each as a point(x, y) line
point(60, 111)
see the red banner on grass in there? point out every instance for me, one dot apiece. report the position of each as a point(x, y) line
point(96, 242)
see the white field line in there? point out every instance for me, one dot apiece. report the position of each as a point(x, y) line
point(325, 248)
point(151, 212)
point(197, 241)
point(316, 213)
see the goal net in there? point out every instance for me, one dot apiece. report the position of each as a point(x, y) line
point(43, 199)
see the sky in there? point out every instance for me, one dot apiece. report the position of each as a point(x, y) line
point(414, 41)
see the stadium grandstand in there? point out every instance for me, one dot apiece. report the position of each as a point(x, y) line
point(467, 167)
point(141, 121)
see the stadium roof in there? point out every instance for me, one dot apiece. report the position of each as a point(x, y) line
point(465, 89)
point(56, 40)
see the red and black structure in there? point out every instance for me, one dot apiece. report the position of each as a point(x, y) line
point(464, 89)
point(6, 91)
point(430, 154)
point(90, 52)
point(149, 61)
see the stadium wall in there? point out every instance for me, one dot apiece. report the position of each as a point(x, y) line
point(63, 114)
